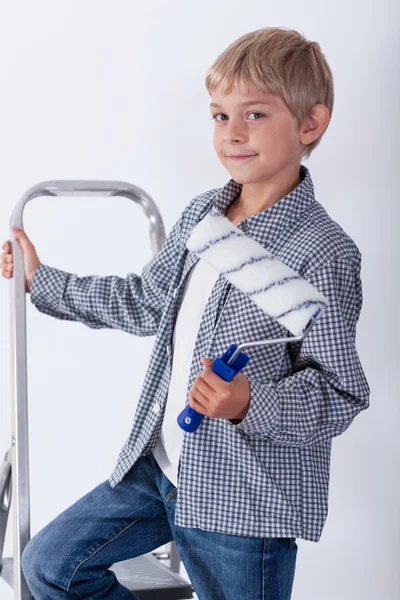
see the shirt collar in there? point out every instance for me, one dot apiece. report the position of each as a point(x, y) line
point(270, 223)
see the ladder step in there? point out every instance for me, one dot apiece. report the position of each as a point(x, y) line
point(7, 572)
point(149, 579)
point(144, 575)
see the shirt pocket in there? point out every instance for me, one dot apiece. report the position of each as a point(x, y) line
point(241, 321)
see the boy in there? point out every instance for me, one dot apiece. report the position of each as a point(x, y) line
point(237, 493)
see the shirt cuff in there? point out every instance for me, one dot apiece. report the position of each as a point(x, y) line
point(47, 286)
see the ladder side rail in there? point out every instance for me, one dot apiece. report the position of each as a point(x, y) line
point(19, 401)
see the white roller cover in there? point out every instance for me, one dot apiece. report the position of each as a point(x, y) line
point(276, 288)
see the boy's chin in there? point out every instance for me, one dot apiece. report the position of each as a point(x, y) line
point(243, 177)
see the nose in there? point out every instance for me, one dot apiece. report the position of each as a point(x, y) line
point(234, 131)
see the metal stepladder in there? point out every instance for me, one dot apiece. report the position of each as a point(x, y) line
point(145, 576)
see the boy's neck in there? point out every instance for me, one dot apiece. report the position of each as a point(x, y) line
point(257, 197)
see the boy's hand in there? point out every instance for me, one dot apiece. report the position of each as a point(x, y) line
point(30, 258)
point(210, 395)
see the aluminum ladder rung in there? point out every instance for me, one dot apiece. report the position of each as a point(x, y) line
point(144, 575)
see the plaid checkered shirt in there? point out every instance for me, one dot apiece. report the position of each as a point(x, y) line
point(268, 474)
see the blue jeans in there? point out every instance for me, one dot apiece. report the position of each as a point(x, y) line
point(70, 557)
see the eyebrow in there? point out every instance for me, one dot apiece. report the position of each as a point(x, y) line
point(249, 103)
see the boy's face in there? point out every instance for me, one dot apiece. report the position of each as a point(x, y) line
point(266, 131)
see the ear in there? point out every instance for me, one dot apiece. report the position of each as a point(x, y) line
point(315, 124)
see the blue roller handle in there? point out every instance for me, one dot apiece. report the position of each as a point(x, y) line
point(189, 419)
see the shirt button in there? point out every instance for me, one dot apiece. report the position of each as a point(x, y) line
point(176, 291)
point(169, 350)
point(156, 408)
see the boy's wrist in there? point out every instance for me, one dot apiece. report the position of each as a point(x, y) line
point(239, 417)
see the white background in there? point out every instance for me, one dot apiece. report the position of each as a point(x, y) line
point(115, 90)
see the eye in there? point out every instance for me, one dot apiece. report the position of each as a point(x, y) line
point(214, 117)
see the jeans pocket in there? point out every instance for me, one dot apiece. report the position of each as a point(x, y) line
point(292, 543)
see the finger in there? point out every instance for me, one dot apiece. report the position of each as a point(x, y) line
point(196, 405)
point(204, 388)
point(216, 383)
point(200, 395)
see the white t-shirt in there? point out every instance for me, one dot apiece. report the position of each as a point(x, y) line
point(198, 286)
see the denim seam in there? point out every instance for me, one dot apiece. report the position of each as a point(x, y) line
point(166, 499)
point(93, 553)
point(263, 570)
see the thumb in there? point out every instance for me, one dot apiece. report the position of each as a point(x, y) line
point(21, 236)
point(207, 361)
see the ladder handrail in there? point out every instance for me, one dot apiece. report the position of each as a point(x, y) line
point(20, 451)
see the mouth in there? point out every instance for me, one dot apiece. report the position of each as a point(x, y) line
point(239, 157)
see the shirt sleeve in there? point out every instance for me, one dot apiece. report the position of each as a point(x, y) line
point(326, 387)
point(133, 304)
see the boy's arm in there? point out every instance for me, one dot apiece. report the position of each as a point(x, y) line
point(327, 387)
point(133, 304)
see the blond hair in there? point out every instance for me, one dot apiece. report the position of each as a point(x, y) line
point(282, 62)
